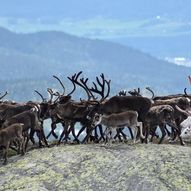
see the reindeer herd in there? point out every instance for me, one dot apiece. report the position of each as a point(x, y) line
point(98, 115)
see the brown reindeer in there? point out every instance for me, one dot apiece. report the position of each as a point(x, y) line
point(160, 115)
point(12, 133)
point(31, 122)
point(182, 101)
point(72, 111)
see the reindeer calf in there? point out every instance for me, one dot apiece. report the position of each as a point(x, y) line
point(118, 120)
point(10, 134)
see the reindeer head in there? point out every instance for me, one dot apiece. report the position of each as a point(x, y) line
point(97, 119)
point(168, 112)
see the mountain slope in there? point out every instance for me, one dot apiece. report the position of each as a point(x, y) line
point(38, 56)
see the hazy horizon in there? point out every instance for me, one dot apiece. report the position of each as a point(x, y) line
point(160, 28)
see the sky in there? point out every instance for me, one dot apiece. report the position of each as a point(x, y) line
point(88, 8)
point(154, 26)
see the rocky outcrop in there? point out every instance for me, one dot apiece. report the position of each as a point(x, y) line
point(120, 167)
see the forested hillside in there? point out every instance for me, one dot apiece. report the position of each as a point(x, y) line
point(28, 62)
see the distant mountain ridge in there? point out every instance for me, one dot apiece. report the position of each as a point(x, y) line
point(33, 58)
point(161, 28)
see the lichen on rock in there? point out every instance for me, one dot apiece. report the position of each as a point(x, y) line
point(141, 167)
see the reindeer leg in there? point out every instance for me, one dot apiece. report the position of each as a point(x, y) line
point(153, 130)
point(53, 127)
point(61, 137)
point(13, 148)
point(81, 130)
point(22, 145)
point(123, 134)
point(86, 137)
point(176, 131)
point(101, 133)
point(27, 140)
point(168, 132)
point(163, 133)
point(146, 132)
point(173, 135)
point(107, 131)
point(5, 151)
point(25, 135)
point(19, 145)
point(72, 128)
point(68, 130)
point(118, 135)
point(180, 138)
point(31, 136)
point(110, 135)
point(140, 125)
point(131, 133)
point(96, 135)
point(88, 131)
point(44, 137)
point(135, 134)
point(38, 133)
point(64, 133)
point(115, 137)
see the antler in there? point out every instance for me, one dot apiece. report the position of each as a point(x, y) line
point(108, 89)
point(74, 79)
point(71, 79)
point(49, 90)
point(149, 89)
point(3, 95)
point(84, 82)
point(43, 99)
point(122, 93)
point(60, 83)
point(185, 93)
point(135, 92)
point(102, 85)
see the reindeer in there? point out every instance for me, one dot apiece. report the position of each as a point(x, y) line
point(61, 100)
point(120, 130)
point(185, 124)
point(12, 110)
point(183, 102)
point(31, 122)
point(118, 120)
point(154, 98)
point(160, 115)
point(12, 133)
point(72, 112)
